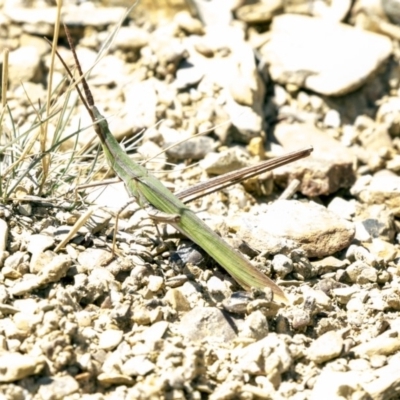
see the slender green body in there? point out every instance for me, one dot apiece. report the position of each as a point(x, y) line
point(148, 189)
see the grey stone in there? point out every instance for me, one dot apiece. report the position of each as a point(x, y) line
point(226, 161)
point(255, 326)
point(192, 149)
point(57, 387)
point(290, 224)
point(206, 323)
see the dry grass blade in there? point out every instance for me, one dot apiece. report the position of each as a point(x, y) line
point(78, 225)
point(4, 79)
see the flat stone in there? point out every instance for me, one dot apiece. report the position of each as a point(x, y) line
point(57, 387)
point(110, 339)
point(385, 344)
point(92, 258)
point(326, 347)
point(330, 385)
point(112, 196)
point(226, 161)
point(155, 332)
point(39, 243)
point(55, 270)
point(206, 323)
point(329, 167)
point(187, 76)
point(15, 366)
point(195, 148)
point(291, 224)
point(114, 378)
point(40, 260)
point(73, 15)
point(296, 54)
point(329, 263)
point(140, 105)
point(214, 12)
point(137, 366)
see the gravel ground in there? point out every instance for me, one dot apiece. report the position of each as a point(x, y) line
point(161, 320)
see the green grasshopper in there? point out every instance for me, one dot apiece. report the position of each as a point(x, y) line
point(148, 190)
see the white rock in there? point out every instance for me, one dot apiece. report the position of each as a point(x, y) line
point(138, 365)
point(140, 105)
point(92, 258)
point(155, 332)
point(39, 243)
point(3, 234)
point(109, 339)
point(282, 265)
point(332, 119)
point(131, 37)
point(269, 356)
point(379, 189)
point(385, 344)
point(255, 326)
point(155, 283)
point(15, 366)
point(330, 385)
point(344, 208)
point(326, 347)
point(386, 380)
point(57, 387)
point(294, 46)
point(23, 65)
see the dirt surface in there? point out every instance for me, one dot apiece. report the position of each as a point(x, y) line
point(160, 320)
